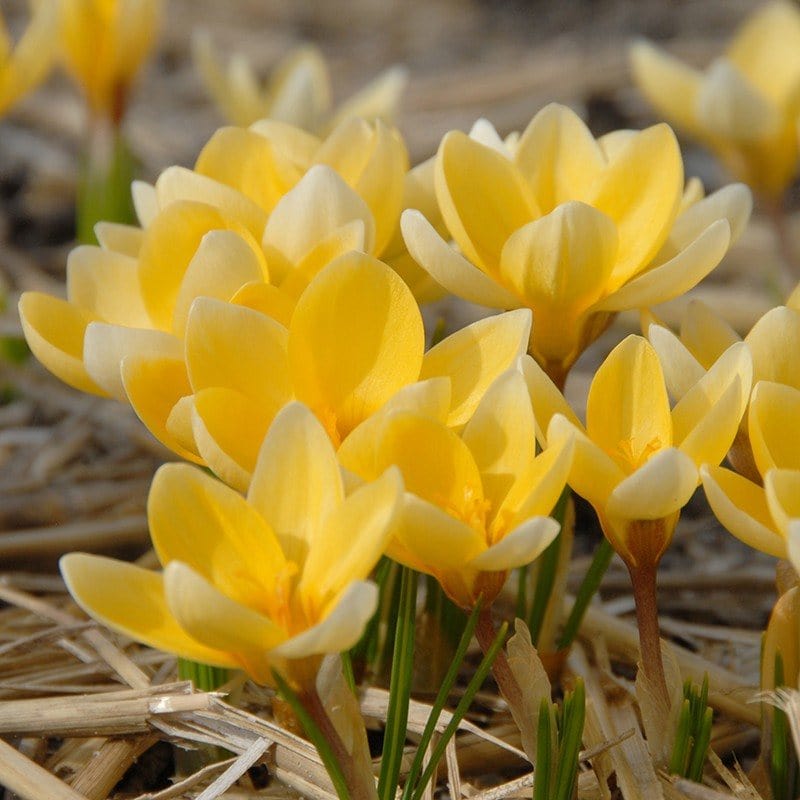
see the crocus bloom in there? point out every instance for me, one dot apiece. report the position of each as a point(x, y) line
point(24, 65)
point(746, 106)
point(574, 228)
point(477, 503)
point(354, 341)
point(637, 460)
point(298, 90)
point(104, 44)
point(761, 515)
point(773, 342)
point(273, 580)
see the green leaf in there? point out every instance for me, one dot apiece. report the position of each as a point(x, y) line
point(571, 735)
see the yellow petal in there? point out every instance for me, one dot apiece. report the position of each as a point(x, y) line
point(297, 482)
point(450, 268)
point(54, 330)
point(354, 536)
point(482, 197)
point(676, 276)
point(355, 338)
point(706, 419)
point(228, 428)
point(208, 526)
point(741, 506)
point(669, 85)
point(560, 263)
point(378, 99)
point(266, 299)
point(475, 356)
point(105, 346)
point(518, 548)
point(140, 611)
point(774, 342)
point(236, 348)
point(502, 435)
point(593, 474)
point(341, 628)
point(660, 487)
point(681, 369)
point(559, 157)
point(627, 411)
point(545, 397)
point(179, 423)
point(176, 184)
point(223, 262)
point(350, 236)
point(288, 141)
point(211, 617)
point(640, 198)
point(153, 387)
point(772, 426)
point(300, 88)
point(782, 489)
point(245, 161)
point(321, 204)
point(705, 333)
point(115, 237)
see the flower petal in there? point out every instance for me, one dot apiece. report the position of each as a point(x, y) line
point(782, 489)
point(546, 399)
point(523, 545)
point(772, 426)
point(681, 369)
point(114, 237)
point(741, 506)
point(706, 333)
point(140, 611)
point(475, 356)
point(774, 342)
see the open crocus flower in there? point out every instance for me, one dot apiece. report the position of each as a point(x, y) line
point(24, 65)
point(355, 340)
point(773, 342)
point(574, 228)
point(273, 580)
point(298, 90)
point(104, 44)
point(477, 503)
point(746, 106)
point(761, 515)
point(636, 460)
point(133, 292)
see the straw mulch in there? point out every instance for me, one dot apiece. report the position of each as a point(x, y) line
point(85, 714)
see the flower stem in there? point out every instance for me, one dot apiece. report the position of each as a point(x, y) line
point(644, 593)
point(485, 633)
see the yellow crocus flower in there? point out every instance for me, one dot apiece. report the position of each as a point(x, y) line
point(574, 228)
point(746, 106)
point(297, 92)
point(637, 460)
point(477, 502)
point(24, 65)
point(354, 341)
point(273, 580)
point(104, 44)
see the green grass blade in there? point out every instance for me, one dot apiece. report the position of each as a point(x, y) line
point(694, 771)
point(571, 738)
point(544, 750)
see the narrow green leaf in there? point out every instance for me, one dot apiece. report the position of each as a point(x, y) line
point(571, 736)
point(544, 750)
point(347, 671)
point(204, 677)
point(680, 748)
point(694, 771)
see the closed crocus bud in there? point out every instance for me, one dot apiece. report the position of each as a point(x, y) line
point(746, 105)
point(572, 227)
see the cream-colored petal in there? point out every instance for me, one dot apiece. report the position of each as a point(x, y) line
point(793, 543)
point(300, 87)
point(518, 548)
point(662, 486)
point(319, 205)
point(782, 489)
point(177, 184)
point(485, 133)
point(54, 330)
point(131, 600)
point(731, 108)
point(741, 506)
point(670, 85)
point(559, 157)
point(449, 268)
point(475, 356)
point(341, 628)
point(212, 618)
point(681, 369)
point(115, 237)
point(145, 202)
point(482, 197)
point(105, 346)
point(547, 400)
point(223, 263)
point(774, 342)
point(297, 483)
point(772, 426)
point(354, 536)
point(627, 411)
point(236, 348)
point(355, 338)
point(676, 276)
